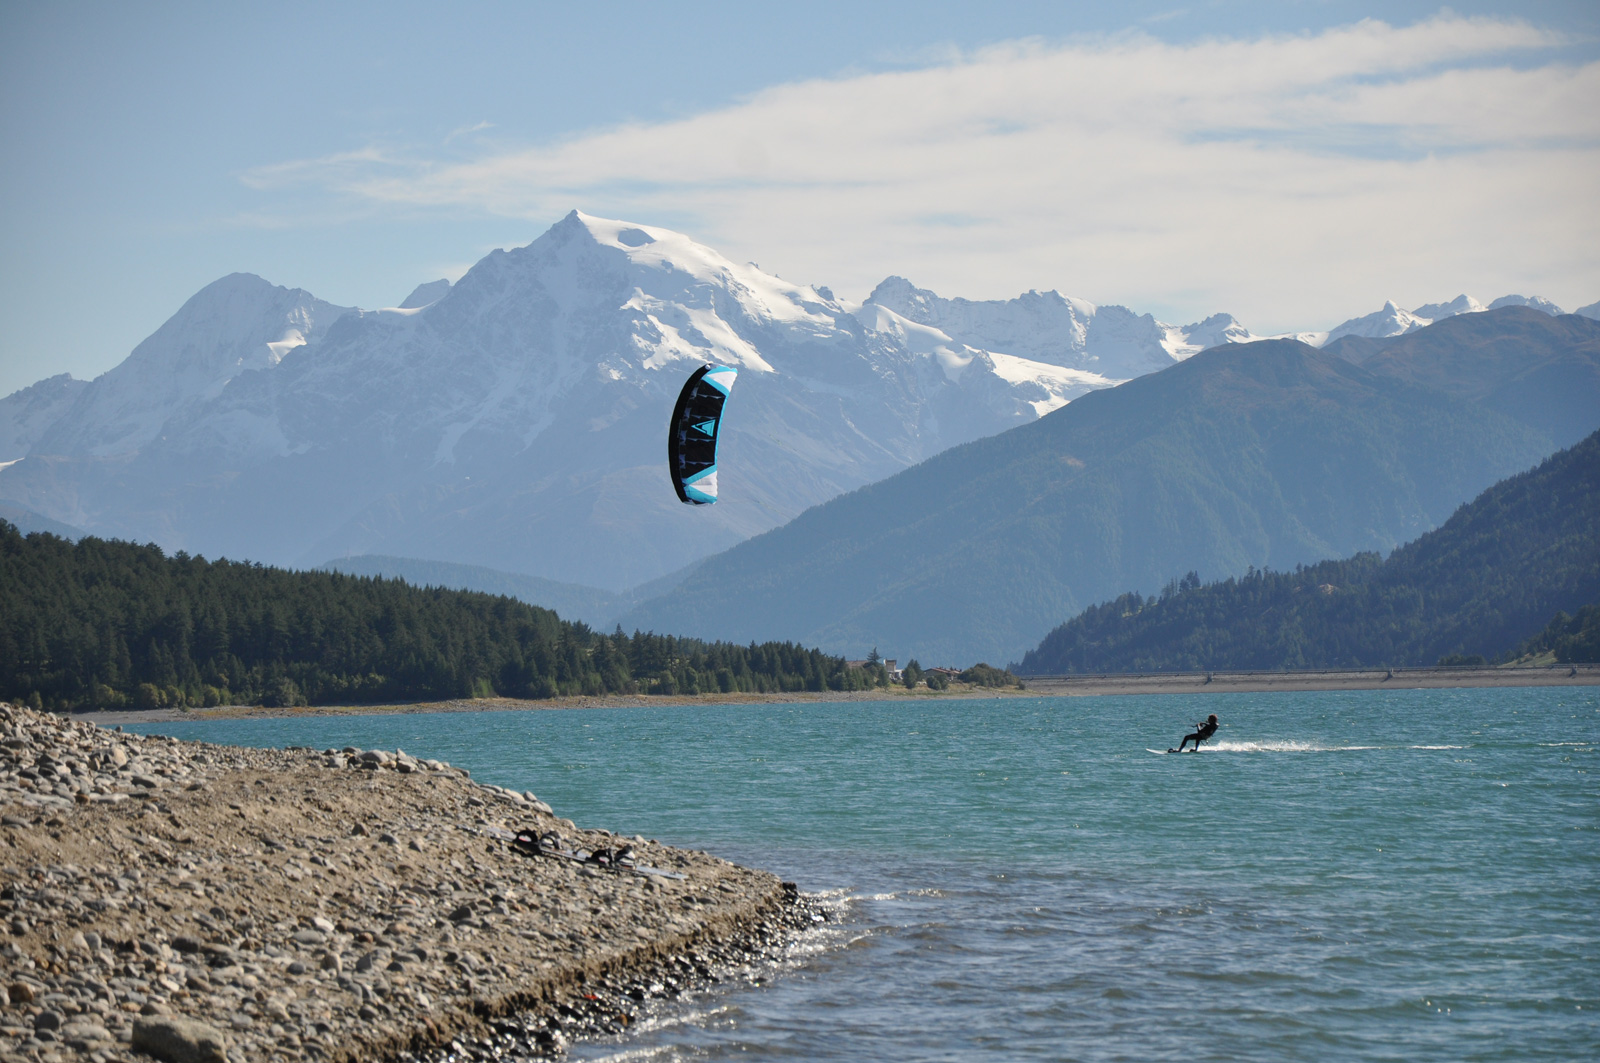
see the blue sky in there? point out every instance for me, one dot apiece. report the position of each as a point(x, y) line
point(1285, 162)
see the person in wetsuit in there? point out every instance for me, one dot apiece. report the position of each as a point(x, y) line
point(1202, 731)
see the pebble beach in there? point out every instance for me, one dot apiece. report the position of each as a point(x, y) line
point(173, 900)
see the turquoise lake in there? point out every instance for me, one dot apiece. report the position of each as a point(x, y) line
point(1406, 875)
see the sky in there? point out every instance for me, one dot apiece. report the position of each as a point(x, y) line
point(1291, 163)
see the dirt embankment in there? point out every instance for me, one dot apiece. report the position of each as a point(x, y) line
point(175, 900)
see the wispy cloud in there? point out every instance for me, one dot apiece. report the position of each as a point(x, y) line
point(464, 130)
point(338, 168)
point(1285, 178)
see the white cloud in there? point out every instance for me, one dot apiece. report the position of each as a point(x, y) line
point(1289, 179)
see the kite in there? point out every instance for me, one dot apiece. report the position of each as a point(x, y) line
point(692, 435)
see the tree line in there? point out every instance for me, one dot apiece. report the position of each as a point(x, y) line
point(109, 624)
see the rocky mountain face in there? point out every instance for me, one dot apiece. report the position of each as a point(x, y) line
point(27, 414)
point(516, 418)
point(1051, 328)
point(232, 326)
point(1264, 454)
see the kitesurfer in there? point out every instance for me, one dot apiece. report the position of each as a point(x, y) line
point(1202, 731)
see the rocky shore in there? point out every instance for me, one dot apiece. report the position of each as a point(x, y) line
point(183, 901)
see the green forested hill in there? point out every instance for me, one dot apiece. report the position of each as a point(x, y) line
point(1487, 580)
point(1268, 454)
point(110, 624)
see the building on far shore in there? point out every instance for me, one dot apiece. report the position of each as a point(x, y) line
point(888, 662)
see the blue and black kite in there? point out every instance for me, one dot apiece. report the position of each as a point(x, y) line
point(692, 436)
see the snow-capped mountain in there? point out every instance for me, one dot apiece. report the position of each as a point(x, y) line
point(231, 326)
point(28, 414)
point(1390, 321)
point(1394, 321)
point(1049, 327)
point(1536, 302)
point(514, 419)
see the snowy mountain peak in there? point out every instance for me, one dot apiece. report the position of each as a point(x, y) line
point(760, 295)
point(686, 302)
point(27, 414)
point(1535, 302)
point(1111, 342)
point(1393, 321)
point(1461, 304)
point(231, 326)
point(1390, 321)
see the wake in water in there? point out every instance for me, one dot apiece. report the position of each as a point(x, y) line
point(1281, 746)
point(1291, 746)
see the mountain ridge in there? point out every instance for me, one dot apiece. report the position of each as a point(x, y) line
point(1482, 583)
point(1255, 454)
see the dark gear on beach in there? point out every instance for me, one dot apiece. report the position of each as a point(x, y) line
point(1202, 731)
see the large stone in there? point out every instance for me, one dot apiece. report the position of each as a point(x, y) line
point(179, 1040)
point(84, 1034)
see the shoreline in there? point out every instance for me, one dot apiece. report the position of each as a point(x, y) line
point(112, 717)
point(1218, 681)
point(1221, 681)
point(246, 904)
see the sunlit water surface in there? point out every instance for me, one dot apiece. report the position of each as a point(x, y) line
point(1407, 875)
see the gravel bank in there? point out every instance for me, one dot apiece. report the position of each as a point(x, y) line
point(178, 900)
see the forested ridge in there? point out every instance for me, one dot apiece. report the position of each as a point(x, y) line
point(1484, 584)
point(109, 624)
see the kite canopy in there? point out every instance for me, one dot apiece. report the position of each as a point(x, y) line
point(692, 435)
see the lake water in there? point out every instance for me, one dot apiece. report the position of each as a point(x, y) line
point(1407, 875)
